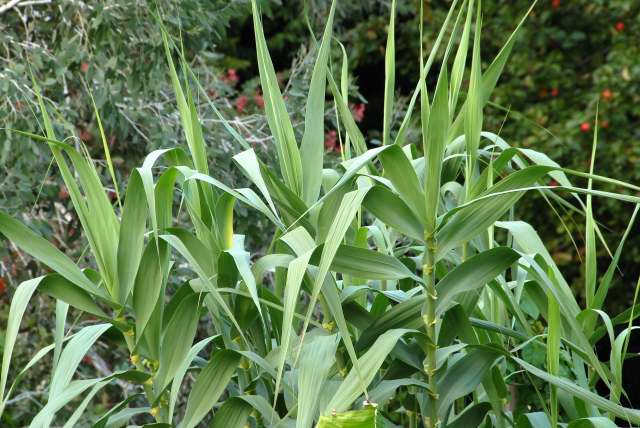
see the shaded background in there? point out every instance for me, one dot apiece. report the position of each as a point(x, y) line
point(571, 56)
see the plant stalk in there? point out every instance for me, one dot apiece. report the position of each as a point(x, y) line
point(429, 318)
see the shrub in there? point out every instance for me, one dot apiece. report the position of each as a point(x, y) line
point(400, 282)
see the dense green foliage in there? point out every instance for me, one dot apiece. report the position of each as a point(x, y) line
point(402, 276)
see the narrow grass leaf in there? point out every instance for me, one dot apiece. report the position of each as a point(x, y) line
point(233, 413)
point(182, 371)
point(312, 145)
point(44, 251)
point(209, 386)
point(177, 339)
point(316, 359)
point(72, 355)
point(131, 240)
point(389, 76)
point(276, 111)
point(369, 364)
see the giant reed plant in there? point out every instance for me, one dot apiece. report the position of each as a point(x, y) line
point(400, 288)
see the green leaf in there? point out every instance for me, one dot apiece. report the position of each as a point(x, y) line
point(182, 371)
point(477, 215)
point(369, 364)
point(534, 420)
point(365, 418)
point(421, 87)
point(473, 273)
point(295, 274)
point(149, 283)
point(464, 376)
point(276, 111)
point(474, 103)
point(471, 416)
point(177, 339)
point(389, 76)
point(492, 74)
point(389, 208)
point(209, 386)
point(131, 240)
point(250, 165)
point(351, 203)
point(433, 145)
point(60, 288)
point(317, 357)
point(45, 252)
point(190, 124)
point(312, 146)
point(18, 306)
point(581, 393)
point(595, 422)
point(72, 355)
point(457, 71)
point(367, 264)
point(398, 168)
point(233, 413)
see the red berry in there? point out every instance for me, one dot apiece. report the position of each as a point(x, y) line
point(553, 183)
point(63, 193)
point(232, 76)
point(85, 135)
point(607, 94)
point(358, 111)
point(84, 67)
point(554, 92)
point(619, 26)
point(331, 140)
point(3, 286)
point(585, 127)
point(241, 103)
point(555, 4)
point(259, 99)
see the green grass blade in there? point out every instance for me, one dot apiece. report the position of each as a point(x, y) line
point(460, 60)
point(233, 413)
point(177, 340)
point(72, 355)
point(421, 86)
point(45, 252)
point(389, 76)
point(131, 240)
point(149, 284)
point(433, 145)
point(209, 386)
point(182, 371)
point(591, 268)
point(369, 363)
point(18, 306)
point(276, 111)
point(312, 145)
point(105, 148)
point(295, 274)
point(474, 104)
point(554, 331)
point(578, 392)
point(316, 360)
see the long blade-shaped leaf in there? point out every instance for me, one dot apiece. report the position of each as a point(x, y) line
point(276, 111)
point(312, 146)
point(209, 386)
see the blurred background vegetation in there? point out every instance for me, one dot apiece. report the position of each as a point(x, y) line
point(572, 56)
